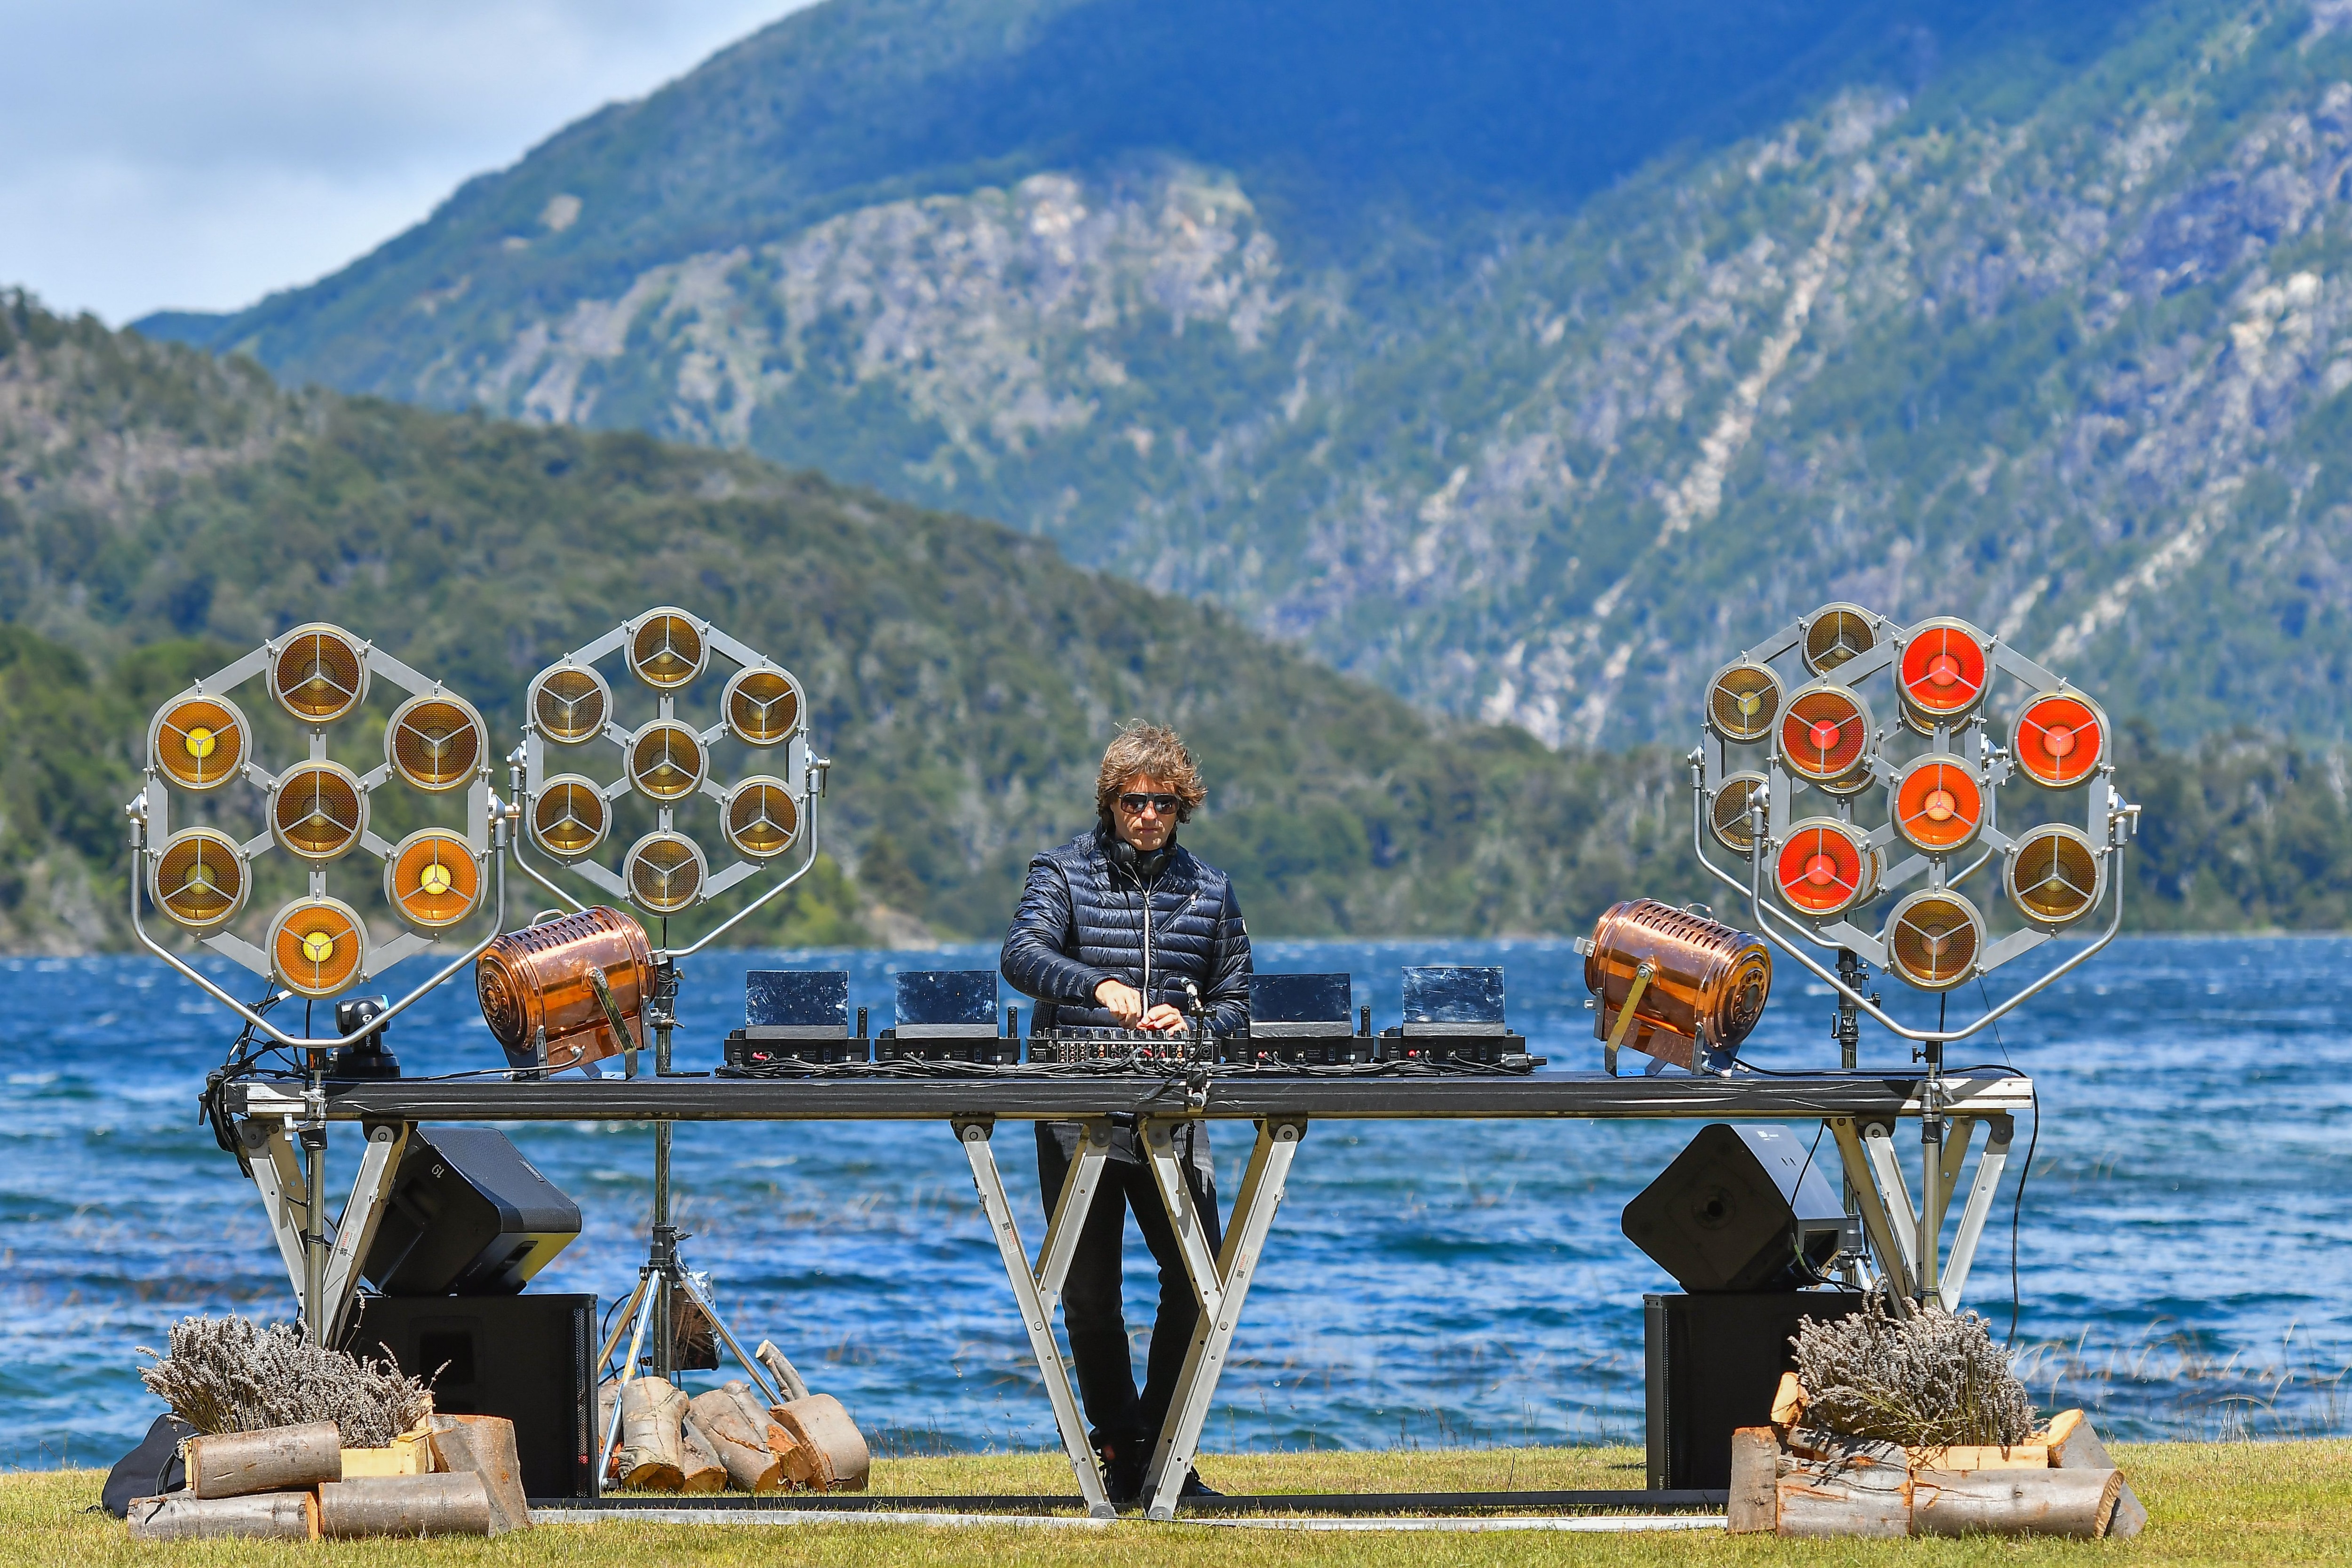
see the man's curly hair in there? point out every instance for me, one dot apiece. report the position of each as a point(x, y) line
point(1156, 749)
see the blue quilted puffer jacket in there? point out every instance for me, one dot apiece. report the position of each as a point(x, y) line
point(1084, 920)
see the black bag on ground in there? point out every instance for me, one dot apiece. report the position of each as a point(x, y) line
point(150, 1469)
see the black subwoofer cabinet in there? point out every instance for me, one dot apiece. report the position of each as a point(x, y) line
point(1712, 1364)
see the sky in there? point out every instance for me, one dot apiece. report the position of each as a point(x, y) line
point(167, 154)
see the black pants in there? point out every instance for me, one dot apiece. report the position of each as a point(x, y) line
point(1092, 1308)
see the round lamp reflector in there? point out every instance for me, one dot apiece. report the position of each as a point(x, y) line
point(666, 762)
point(1939, 804)
point(199, 878)
point(1728, 814)
point(1836, 633)
point(667, 649)
point(763, 706)
point(570, 703)
point(1942, 673)
point(665, 872)
point(1742, 700)
point(1934, 939)
point(436, 741)
point(320, 673)
point(1825, 867)
point(1826, 733)
point(197, 743)
point(762, 818)
point(2053, 875)
point(2062, 738)
point(317, 946)
point(569, 816)
point(432, 879)
point(317, 810)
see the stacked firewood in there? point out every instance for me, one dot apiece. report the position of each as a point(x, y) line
point(728, 1437)
point(1915, 1425)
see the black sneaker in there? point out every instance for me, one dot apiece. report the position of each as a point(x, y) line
point(1122, 1476)
point(1195, 1486)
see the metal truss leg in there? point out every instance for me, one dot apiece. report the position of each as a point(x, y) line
point(1036, 1293)
point(1990, 1163)
point(1868, 1152)
point(356, 1232)
point(637, 1319)
point(278, 1171)
point(1222, 1284)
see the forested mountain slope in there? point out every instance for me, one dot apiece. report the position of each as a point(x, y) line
point(1527, 359)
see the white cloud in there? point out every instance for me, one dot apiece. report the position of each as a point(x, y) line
point(163, 155)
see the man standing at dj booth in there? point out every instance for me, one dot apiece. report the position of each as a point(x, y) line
point(1110, 928)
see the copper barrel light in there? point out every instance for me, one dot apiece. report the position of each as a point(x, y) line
point(2053, 875)
point(317, 946)
point(668, 650)
point(198, 743)
point(569, 816)
point(436, 742)
point(1834, 634)
point(667, 761)
point(535, 987)
point(199, 879)
point(1934, 939)
point(1939, 804)
point(1742, 700)
point(1825, 867)
point(319, 674)
point(570, 704)
point(665, 872)
point(432, 879)
point(317, 810)
point(1729, 816)
point(2061, 740)
point(763, 706)
point(1692, 984)
point(1942, 674)
point(1826, 733)
point(763, 819)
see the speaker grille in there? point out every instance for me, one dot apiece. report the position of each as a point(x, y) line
point(436, 742)
point(762, 706)
point(317, 946)
point(1729, 816)
point(569, 816)
point(1836, 633)
point(199, 879)
point(2062, 738)
point(319, 674)
point(668, 650)
point(432, 879)
point(1825, 867)
point(319, 811)
point(1939, 804)
point(1742, 700)
point(570, 703)
point(1942, 673)
point(665, 872)
point(1934, 939)
point(762, 818)
point(2053, 875)
point(1826, 733)
point(198, 743)
point(667, 761)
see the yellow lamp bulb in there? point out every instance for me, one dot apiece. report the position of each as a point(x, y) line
point(318, 946)
point(200, 742)
point(435, 879)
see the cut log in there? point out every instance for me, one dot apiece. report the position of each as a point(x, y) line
point(701, 1470)
point(1789, 1402)
point(483, 1445)
point(2072, 1503)
point(653, 1445)
point(274, 1460)
point(828, 1453)
point(1754, 1505)
point(733, 1421)
point(404, 1505)
point(1865, 1491)
point(255, 1516)
point(2075, 1445)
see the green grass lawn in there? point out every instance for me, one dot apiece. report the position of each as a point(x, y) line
point(2246, 1502)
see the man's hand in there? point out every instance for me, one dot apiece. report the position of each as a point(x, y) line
point(1125, 1003)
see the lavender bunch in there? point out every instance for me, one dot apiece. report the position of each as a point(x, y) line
point(225, 1375)
point(1934, 1380)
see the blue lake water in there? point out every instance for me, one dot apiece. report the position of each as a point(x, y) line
point(2184, 1266)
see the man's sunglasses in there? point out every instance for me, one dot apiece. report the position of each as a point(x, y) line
point(1165, 805)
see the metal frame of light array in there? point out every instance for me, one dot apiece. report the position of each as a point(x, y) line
point(316, 810)
point(567, 812)
point(1802, 741)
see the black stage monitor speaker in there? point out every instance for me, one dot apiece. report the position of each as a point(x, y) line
point(468, 1216)
point(526, 1358)
point(1713, 1363)
point(1743, 1208)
